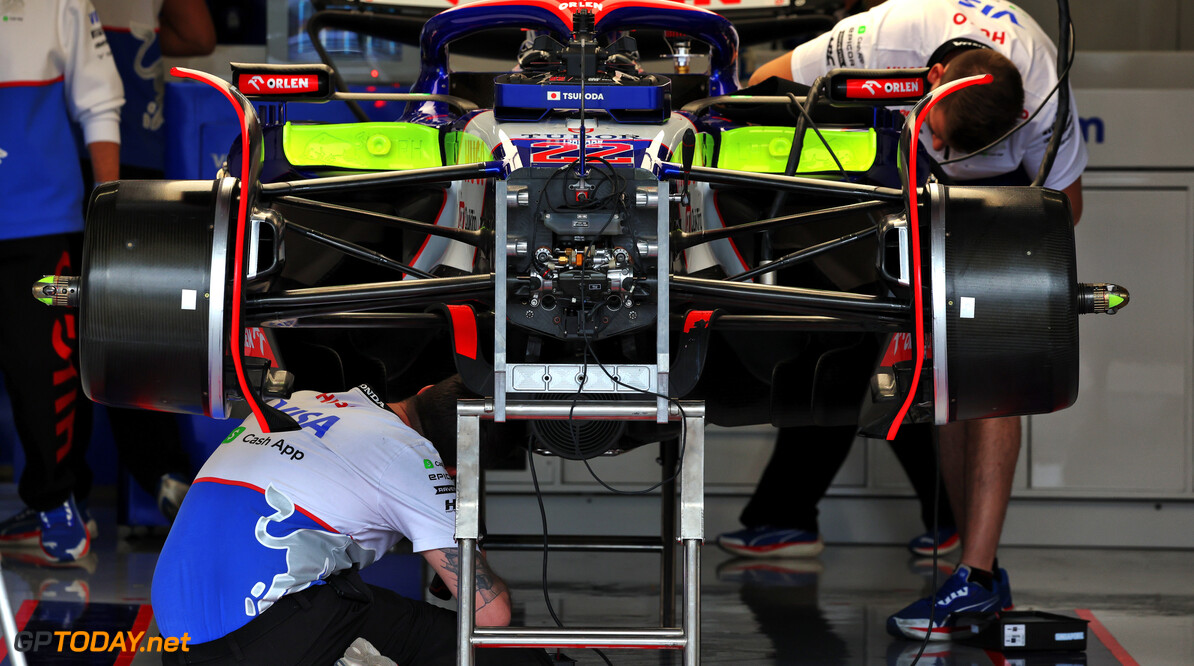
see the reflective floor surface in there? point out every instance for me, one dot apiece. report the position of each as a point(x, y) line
point(826, 611)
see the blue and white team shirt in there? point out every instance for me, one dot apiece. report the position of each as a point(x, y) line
point(272, 514)
point(55, 67)
point(132, 29)
point(906, 33)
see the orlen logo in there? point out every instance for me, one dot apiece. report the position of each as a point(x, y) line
point(584, 4)
point(277, 85)
point(882, 88)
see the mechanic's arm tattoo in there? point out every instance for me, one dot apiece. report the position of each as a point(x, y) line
point(489, 586)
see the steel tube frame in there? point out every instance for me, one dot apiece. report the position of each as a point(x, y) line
point(551, 637)
point(669, 451)
point(366, 181)
point(283, 318)
point(468, 518)
point(773, 181)
point(357, 251)
point(803, 255)
point(682, 240)
point(475, 237)
point(345, 296)
point(696, 106)
point(737, 322)
point(729, 322)
point(573, 543)
point(795, 299)
point(390, 320)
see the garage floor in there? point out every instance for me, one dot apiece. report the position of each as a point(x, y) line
point(828, 610)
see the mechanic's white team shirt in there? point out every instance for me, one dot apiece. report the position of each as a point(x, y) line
point(272, 514)
point(906, 33)
point(55, 66)
point(132, 30)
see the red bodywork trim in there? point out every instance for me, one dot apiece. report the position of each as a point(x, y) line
point(267, 352)
point(246, 484)
point(443, 202)
point(696, 316)
point(464, 330)
point(738, 254)
point(237, 338)
point(914, 222)
point(717, 209)
point(900, 350)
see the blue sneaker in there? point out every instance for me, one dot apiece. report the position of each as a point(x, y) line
point(1004, 587)
point(22, 529)
point(956, 595)
point(765, 541)
point(64, 536)
point(947, 541)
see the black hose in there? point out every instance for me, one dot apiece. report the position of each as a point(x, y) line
point(1064, 46)
point(314, 26)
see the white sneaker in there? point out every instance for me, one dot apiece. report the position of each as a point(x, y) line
point(362, 653)
point(171, 491)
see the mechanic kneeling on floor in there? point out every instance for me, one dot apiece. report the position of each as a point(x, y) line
point(261, 565)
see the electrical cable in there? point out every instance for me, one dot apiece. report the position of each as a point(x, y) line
point(576, 442)
point(1061, 119)
point(924, 644)
point(546, 548)
point(543, 520)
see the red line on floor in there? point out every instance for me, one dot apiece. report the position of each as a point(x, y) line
point(1106, 638)
point(140, 626)
point(996, 657)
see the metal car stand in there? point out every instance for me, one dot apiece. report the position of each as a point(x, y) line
point(691, 529)
point(663, 544)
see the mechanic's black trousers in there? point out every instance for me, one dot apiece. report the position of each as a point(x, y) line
point(317, 625)
point(39, 360)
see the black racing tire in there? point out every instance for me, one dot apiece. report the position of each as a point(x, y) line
point(153, 304)
point(1004, 302)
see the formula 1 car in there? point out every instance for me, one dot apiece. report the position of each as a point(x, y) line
point(577, 228)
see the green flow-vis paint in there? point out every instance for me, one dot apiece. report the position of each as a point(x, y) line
point(765, 149)
point(464, 148)
point(367, 146)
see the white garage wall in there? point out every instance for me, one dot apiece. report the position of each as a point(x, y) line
point(1114, 25)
